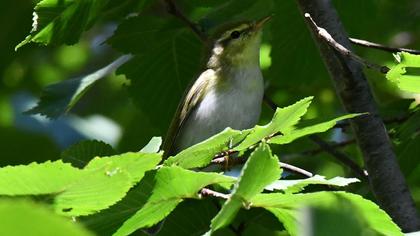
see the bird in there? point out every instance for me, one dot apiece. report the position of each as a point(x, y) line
point(228, 93)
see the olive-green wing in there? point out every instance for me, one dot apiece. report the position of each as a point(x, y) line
point(185, 107)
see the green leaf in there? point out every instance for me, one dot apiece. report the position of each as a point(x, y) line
point(286, 208)
point(202, 153)
point(23, 217)
point(59, 98)
point(62, 21)
point(288, 137)
point(236, 10)
point(77, 190)
point(81, 153)
point(46, 178)
point(406, 74)
point(112, 177)
point(107, 221)
point(261, 169)
point(153, 146)
point(173, 184)
point(283, 121)
point(167, 59)
point(297, 185)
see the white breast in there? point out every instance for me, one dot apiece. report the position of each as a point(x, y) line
point(237, 106)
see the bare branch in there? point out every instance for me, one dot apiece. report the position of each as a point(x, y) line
point(392, 120)
point(323, 33)
point(365, 43)
point(208, 192)
point(296, 169)
point(332, 145)
point(340, 156)
point(223, 159)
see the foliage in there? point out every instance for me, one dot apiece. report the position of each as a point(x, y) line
point(103, 189)
point(404, 74)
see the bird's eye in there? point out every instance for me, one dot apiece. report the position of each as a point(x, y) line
point(235, 34)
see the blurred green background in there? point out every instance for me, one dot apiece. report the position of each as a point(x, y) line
point(295, 71)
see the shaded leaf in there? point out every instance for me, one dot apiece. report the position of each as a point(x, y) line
point(62, 21)
point(81, 153)
point(167, 59)
point(57, 99)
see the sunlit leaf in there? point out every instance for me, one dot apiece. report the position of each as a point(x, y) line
point(283, 121)
point(297, 185)
point(288, 137)
point(173, 184)
point(76, 190)
point(153, 146)
point(45, 178)
point(36, 219)
point(112, 177)
point(202, 153)
point(406, 74)
point(261, 169)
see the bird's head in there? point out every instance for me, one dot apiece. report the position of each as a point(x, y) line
point(237, 45)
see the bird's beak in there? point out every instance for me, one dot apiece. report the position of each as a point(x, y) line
point(260, 23)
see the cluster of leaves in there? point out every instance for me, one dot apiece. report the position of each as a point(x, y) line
point(120, 194)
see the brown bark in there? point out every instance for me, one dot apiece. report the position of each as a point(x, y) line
point(385, 177)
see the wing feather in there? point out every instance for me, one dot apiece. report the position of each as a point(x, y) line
point(188, 103)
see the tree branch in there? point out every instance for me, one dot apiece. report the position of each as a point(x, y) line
point(333, 145)
point(340, 156)
point(222, 159)
point(208, 192)
point(296, 169)
point(174, 10)
point(322, 33)
point(392, 120)
point(386, 179)
point(364, 43)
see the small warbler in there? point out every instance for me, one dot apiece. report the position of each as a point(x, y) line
point(228, 93)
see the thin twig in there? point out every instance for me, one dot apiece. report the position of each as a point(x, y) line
point(340, 156)
point(323, 33)
point(392, 120)
point(333, 145)
point(174, 10)
point(296, 169)
point(369, 44)
point(222, 159)
point(208, 192)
